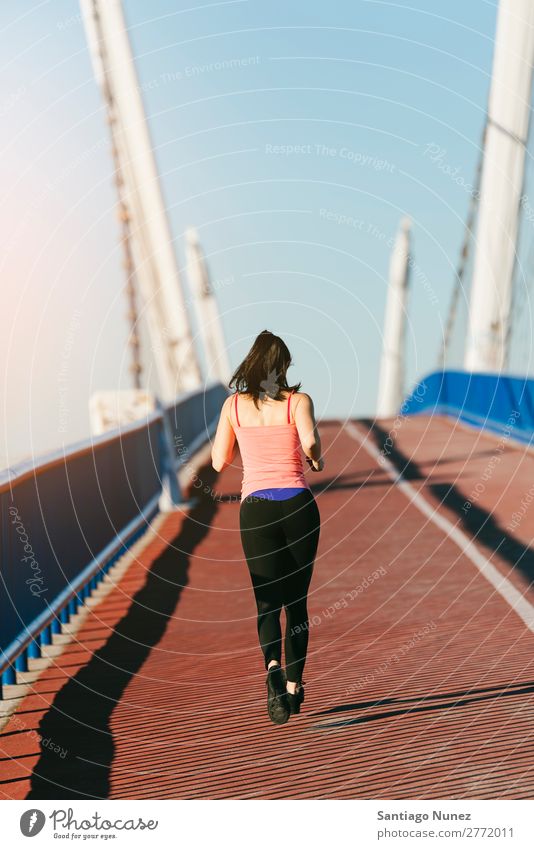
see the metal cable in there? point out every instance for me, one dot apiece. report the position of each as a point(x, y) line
point(464, 257)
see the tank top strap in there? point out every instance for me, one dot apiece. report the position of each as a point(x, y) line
point(236, 416)
point(289, 407)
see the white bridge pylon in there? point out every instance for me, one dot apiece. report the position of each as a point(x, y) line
point(501, 188)
point(156, 267)
point(207, 311)
point(391, 379)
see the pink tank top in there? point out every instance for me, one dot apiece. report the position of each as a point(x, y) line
point(271, 455)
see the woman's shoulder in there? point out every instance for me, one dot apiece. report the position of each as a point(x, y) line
point(303, 403)
point(303, 397)
point(227, 403)
point(247, 396)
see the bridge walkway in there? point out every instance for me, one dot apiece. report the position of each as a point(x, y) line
point(420, 675)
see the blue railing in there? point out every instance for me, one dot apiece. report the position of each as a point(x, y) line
point(495, 402)
point(68, 516)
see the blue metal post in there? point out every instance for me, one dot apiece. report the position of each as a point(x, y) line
point(45, 636)
point(34, 649)
point(21, 662)
point(9, 675)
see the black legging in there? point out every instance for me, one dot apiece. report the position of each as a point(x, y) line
point(280, 541)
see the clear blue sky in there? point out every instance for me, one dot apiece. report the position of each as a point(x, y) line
point(386, 101)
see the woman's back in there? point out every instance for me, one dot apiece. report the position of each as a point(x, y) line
point(269, 412)
point(269, 443)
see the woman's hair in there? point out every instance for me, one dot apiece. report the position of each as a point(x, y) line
point(263, 372)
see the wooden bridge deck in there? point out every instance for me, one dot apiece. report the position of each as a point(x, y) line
point(420, 675)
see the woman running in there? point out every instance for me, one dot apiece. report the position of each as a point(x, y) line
point(279, 518)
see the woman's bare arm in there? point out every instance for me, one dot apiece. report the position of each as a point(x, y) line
point(224, 444)
point(308, 431)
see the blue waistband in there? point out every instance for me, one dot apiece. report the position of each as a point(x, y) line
point(278, 493)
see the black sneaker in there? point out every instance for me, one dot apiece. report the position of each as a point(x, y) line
point(295, 700)
point(277, 701)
